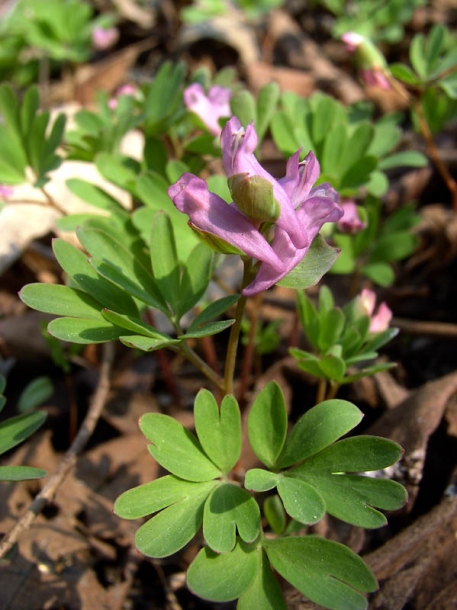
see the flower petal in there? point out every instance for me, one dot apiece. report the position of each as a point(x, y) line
point(266, 275)
point(300, 177)
point(208, 108)
point(210, 213)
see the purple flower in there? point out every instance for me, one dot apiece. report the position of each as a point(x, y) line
point(209, 108)
point(302, 209)
point(380, 320)
point(350, 222)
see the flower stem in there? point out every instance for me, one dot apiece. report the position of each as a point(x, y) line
point(232, 346)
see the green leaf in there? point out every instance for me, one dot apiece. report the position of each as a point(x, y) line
point(331, 326)
point(145, 344)
point(117, 264)
point(77, 267)
point(318, 428)
point(21, 473)
point(267, 424)
point(275, 514)
point(121, 171)
point(164, 258)
point(393, 247)
point(404, 73)
point(332, 367)
point(35, 394)
point(380, 273)
point(357, 454)
point(174, 526)
point(327, 572)
point(309, 318)
point(404, 158)
point(152, 190)
point(218, 430)
point(16, 429)
point(302, 501)
point(258, 479)
point(417, 55)
point(243, 106)
point(229, 509)
point(135, 325)
point(213, 310)
point(177, 449)
point(156, 495)
point(9, 109)
point(94, 195)
point(29, 109)
point(315, 264)
point(84, 330)
point(264, 593)
point(61, 301)
point(335, 148)
point(238, 568)
point(267, 103)
point(13, 160)
point(283, 133)
point(195, 278)
point(352, 498)
point(212, 328)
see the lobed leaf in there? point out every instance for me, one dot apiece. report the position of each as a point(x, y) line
point(154, 496)
point(317, 429)
point(227, 510)
point(223, 577)
point(177, 449)
point(327, 572)
point(218, 430)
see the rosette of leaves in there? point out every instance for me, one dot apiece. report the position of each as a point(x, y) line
point(353, 151)
point(340, 340)
point(432, 74)
point(314, 473)
point(109, 291)
point(14, 431)
point(374, 250)
point(27, 138)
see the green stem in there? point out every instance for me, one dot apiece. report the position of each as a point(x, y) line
point(200, 364)
point(232, 347)
point(321, 390)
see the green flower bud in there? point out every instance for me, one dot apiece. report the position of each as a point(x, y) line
point(254, 197)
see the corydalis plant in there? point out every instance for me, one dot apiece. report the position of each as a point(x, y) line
point(272, 221)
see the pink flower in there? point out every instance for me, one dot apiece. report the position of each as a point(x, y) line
point(6, 191)
point(104, 38)
point(301, 209)
point(124, 90)
point(380, 320)
point(209, 108)
point(350, 222)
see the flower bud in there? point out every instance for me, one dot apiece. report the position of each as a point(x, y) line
point(254, 197)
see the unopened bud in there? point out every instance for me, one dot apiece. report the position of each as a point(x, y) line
point(254, 197)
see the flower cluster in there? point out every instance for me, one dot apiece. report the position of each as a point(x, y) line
point(209, 108)
point(295, 210)
point(104, 38)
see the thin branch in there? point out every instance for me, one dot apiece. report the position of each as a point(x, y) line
point(70, 457)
